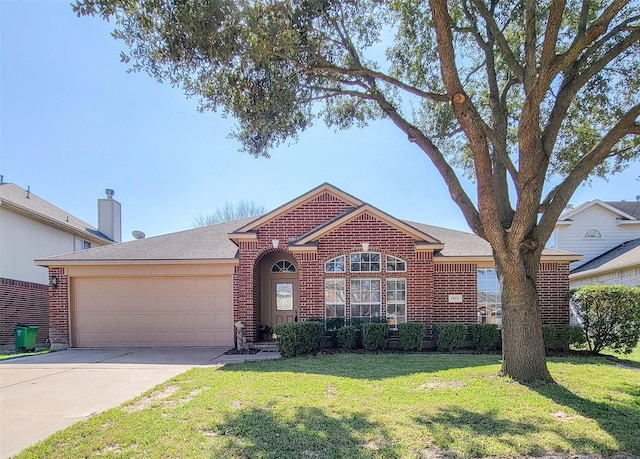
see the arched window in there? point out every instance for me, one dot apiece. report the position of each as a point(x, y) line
point(396, 264)
point(592, 233)
point(335, 265)
point(283, 266)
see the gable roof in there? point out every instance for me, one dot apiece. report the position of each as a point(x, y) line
point(400, 225)
point(27, 203)
point(207, 243)
point(628, 207)
point(309, 196)
point(619, 209)
point(625, 255)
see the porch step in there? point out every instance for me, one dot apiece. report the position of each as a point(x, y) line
point(266, 346)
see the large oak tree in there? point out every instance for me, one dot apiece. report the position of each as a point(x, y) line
point(510, 92)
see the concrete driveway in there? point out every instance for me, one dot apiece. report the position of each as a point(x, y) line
point(42, 394)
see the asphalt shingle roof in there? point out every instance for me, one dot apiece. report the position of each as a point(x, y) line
point(628, 207)
point(625, 255)
point(212, 243)
point(11, 193)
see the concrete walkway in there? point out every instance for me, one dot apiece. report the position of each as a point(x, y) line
point(42, 394)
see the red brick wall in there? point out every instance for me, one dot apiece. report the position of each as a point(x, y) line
point(553, 285)
point(455, 279)
point(59, 308)
point(23, 303)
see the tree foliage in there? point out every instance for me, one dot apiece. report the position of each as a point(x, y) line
point(508, 92)
point(231, 211)
point(609, 315)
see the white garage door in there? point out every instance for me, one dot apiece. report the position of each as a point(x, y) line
point(145, 311)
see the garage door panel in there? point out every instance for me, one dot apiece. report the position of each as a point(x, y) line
point(111, 312)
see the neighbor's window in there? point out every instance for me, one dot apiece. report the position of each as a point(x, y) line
point(365, 299)
point(334, 302)
point(396, 264)
point(81, 244)
point(283, 266)
point(592, 233)
point(364, 262)
point(489, 297)
point(396, 302)
point(335, 265)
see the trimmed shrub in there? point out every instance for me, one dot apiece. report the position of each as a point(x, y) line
point(298, 338)
point(576, 336)
point(347, 336)
point(334, 323)
point(610, 316)
point(485, 337)
point(449, 336)
point(411, 335)
point(375, 336)
point(549, 335)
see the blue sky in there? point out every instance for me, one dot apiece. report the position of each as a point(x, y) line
point(73, 122)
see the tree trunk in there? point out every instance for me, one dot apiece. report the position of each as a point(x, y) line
point(523, 353)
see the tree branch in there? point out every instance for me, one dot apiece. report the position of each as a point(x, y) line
point(626, 125)
point(501, 40)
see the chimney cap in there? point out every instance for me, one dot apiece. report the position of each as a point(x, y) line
point(109, 192)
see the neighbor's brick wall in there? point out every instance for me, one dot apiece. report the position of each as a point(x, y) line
point(59, 308)
point(23, 303)
point(553, 285)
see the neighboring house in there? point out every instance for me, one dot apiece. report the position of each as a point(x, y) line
point(325, 254)
point(31, 228)
point(595, 227)
point(619, 266)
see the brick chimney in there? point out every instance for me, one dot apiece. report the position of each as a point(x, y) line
point(109, 217)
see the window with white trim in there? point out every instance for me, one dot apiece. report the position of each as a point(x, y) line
point(81, 244)
point(365, 296)
point(364, 262)
point(396, 302)
point(489, 297)
point(334, 301)
point(395, 264)
point(283, 266)
point(335, 265)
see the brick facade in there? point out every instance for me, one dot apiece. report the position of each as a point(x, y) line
point(428, 284)
point(59, 309)
point(326, 225)
point(23, 303)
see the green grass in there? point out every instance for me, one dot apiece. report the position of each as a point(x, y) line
point(368, 406)
point(14, 355)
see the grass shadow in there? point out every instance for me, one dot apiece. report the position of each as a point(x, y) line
point(614, 417)
point(369, 366)
point(304, 432)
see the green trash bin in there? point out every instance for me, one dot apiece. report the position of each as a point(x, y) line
point(26, 338)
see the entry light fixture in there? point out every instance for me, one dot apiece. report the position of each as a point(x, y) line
point(53, 282)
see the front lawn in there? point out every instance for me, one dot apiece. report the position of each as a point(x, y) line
point(364, 405)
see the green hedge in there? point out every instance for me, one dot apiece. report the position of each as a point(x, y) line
point(561, 337)
point(375, 336)
point(347, 337)
point(411, 335)
point(298, 338)
point(449, 336)
point(485, 337)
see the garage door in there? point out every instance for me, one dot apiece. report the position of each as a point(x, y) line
point(145, 311)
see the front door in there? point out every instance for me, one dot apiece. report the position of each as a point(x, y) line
point(282, 301)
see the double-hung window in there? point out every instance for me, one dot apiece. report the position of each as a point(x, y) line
point(334, 302)
point(396, 302)
point(489, 297)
